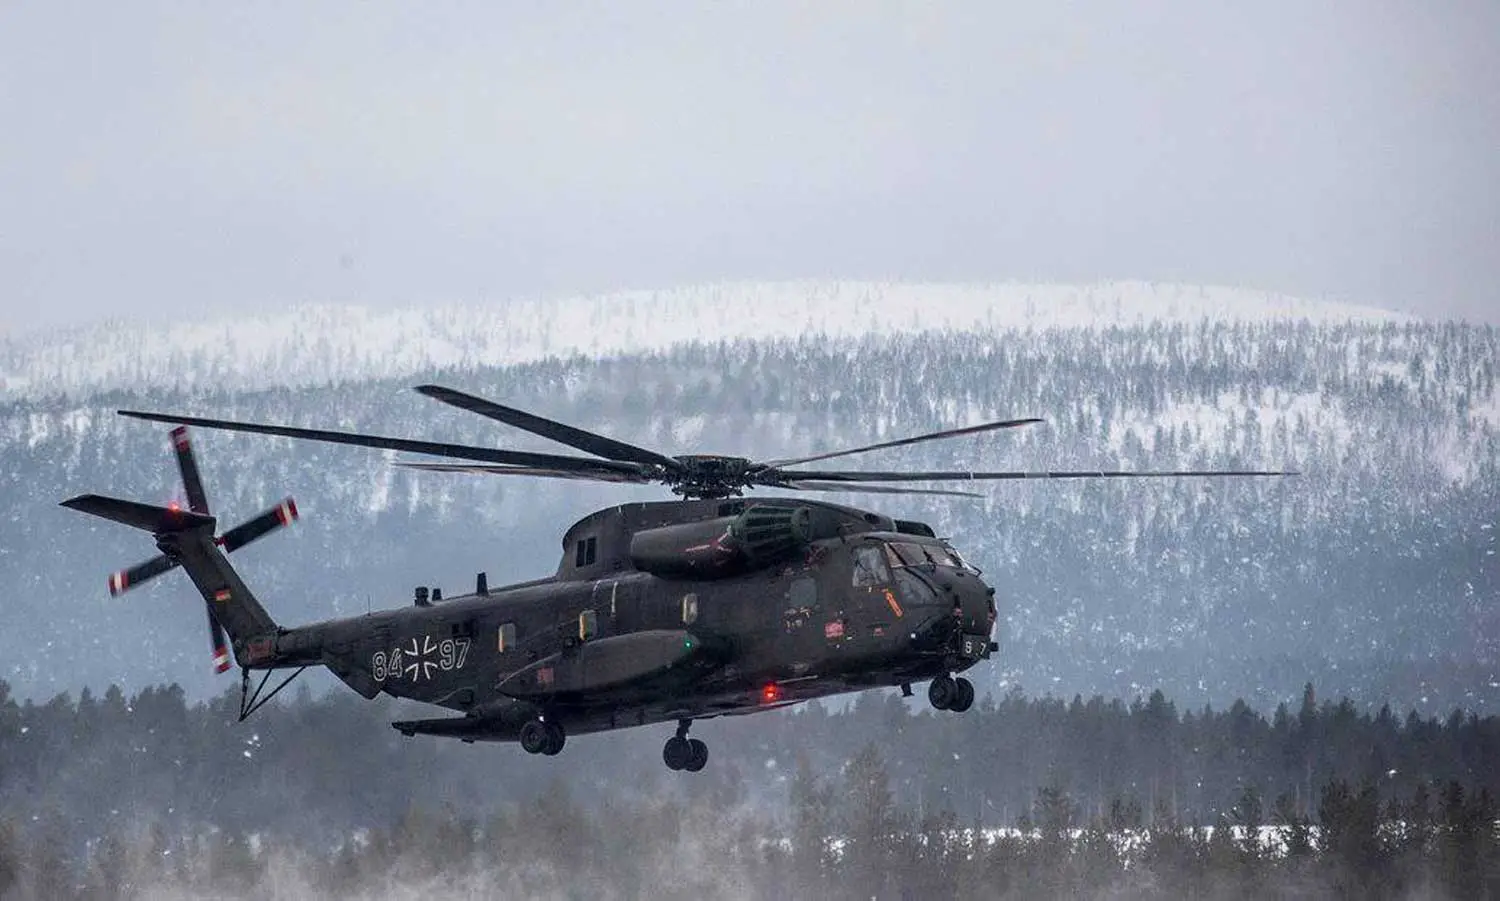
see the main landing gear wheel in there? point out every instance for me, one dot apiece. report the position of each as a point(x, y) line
point(539, 737)
point(683, 753)
point(965, 695)
point(947, 693)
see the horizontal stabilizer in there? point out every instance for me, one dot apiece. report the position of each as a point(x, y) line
point(156, 520)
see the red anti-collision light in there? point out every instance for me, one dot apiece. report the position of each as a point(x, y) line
point(771, 693)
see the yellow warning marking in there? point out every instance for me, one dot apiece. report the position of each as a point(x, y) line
point(890, 598)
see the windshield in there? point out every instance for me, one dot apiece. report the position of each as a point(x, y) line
point(911, 553)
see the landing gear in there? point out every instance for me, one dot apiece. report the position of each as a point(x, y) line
point(543, 737)
point(683, 753)
point(948, 693)
point(965, 695)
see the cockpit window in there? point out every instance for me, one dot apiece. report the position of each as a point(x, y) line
point(964, 564)
point(912, 554)
point(869, 567)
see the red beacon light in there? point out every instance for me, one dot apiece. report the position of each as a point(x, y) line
point(771, 693)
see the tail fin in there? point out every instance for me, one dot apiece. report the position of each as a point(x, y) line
point(186, 538)
point(156, 520)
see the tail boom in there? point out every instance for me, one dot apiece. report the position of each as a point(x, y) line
point(186, 539)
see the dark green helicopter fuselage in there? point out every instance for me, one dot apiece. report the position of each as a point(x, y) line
point(649, 619)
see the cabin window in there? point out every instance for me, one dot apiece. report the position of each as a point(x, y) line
point(507, 637)
point(869, 567)
point(586, 551)
point(689, 609)
point(464, 629)
point(588, 625)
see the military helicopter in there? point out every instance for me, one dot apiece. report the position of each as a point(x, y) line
point(659, 612)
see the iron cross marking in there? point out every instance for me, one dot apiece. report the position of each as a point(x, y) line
point(421, 663)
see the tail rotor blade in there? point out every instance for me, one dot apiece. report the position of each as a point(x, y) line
point(126, 579)
point(283, 514)
point(218, 641)
point(187, 464)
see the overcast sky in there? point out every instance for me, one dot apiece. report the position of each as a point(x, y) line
point(157, 157)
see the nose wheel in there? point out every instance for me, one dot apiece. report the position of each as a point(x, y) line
point(948, 693)
point(543, 737)
point(683, 753)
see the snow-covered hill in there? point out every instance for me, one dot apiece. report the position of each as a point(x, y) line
point(316, 344)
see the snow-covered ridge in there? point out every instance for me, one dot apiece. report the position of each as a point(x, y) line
point(313, 344)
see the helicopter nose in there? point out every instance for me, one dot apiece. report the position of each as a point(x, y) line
point(973, 602)
point(977, 607)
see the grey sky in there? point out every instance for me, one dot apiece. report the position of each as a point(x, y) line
point(159, 156)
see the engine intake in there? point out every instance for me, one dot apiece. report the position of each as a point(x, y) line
point(728, 545)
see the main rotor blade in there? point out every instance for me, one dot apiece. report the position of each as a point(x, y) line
point(948, 476)
point(437, 449)
point(608, 448)
point(482, 469)
point(187, 464)
point(873, 489)
point(931, 436)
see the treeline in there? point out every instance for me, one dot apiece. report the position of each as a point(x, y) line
point(846, 835)
point(322, 767)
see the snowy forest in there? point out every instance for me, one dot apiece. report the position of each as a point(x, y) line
point(151, 796)
point(1373, 573)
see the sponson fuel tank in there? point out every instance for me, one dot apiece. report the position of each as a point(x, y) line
point(729, 545)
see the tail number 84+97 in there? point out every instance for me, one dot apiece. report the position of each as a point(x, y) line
point(419, 659)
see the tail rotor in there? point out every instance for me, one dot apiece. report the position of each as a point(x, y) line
point(279, 516)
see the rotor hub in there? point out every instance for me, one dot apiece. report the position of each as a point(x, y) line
point(711, 476)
